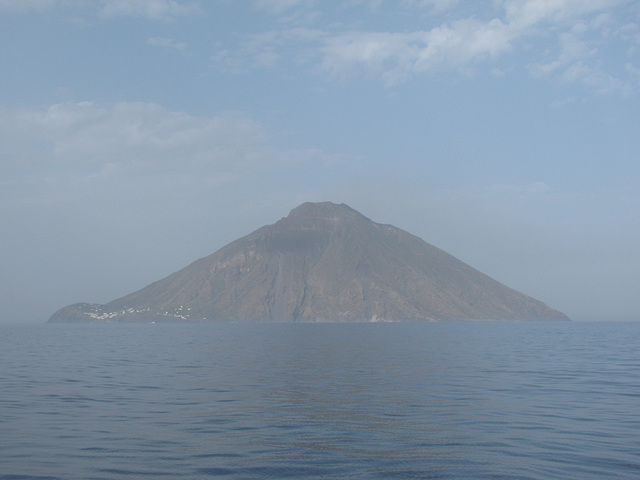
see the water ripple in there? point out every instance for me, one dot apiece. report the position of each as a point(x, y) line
point(449, 401)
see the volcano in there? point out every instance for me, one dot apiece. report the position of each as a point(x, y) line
point(323, 262)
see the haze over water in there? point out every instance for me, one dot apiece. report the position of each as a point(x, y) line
point(415, 400)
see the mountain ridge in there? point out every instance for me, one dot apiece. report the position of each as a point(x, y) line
point(322, 262)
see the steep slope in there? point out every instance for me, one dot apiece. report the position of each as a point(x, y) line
point(323, 262)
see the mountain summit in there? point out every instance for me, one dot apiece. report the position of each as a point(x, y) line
point(323, 262)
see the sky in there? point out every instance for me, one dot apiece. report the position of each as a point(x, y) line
point(137, 136)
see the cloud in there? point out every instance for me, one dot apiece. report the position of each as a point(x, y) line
point(458, 44)
point(279, 6)
point(268, 49)
point(150, 9)
point(523, 14)
point(570, 41)
point(434, 5)
point(591, 54)
point(21, 6)
point(572, 49)
point(574, 64)
point(164, 10)
point(167, 43)
point(398, 55)
point(67, 152)
point(290, 11)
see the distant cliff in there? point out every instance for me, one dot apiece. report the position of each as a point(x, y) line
point(323, 262)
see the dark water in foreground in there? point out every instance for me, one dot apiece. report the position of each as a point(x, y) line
point(365, 401)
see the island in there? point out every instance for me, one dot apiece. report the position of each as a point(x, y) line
point(323, 262)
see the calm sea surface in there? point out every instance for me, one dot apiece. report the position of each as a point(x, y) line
point(360, 401)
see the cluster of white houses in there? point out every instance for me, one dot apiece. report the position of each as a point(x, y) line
point(97, 313)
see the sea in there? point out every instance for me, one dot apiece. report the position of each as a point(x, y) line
point(467, 400)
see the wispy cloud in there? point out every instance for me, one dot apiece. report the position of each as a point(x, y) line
point(464, 42)
point(291, 11)
point(523, 14)
point(434, 5)
point(396, 56)
point(269, 49)
point(79, 148)
point(168, 43)
point(279, 6)
point(21, 6)
point(150, 9)
point(163, 10)
point(579, 37)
